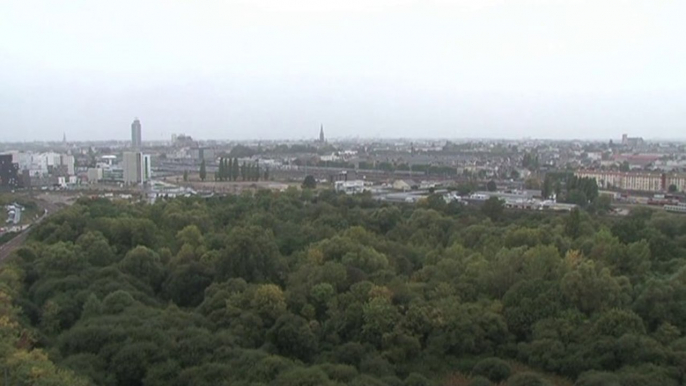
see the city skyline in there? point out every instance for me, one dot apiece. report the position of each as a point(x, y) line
point(408, 69)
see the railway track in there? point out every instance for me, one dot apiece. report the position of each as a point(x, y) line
point(10, 246)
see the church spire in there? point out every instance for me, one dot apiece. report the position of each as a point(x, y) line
point(321, 134)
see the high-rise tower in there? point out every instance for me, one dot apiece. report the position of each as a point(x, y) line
point(136, 141)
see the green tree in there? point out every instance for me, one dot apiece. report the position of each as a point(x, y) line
point(96, 249)
point(493, 208)
point(380, 316)
point(292, 337)
point(577, 197)
point(592, 289)
point(309, 182)
point(491, 186)
point(269, 301)
point(495, 369)
point(185, 176)
point(597, 378)
point(235, 169)
point(527, 379)
point(672, 188)
point(222, 171)
point(624, 166)
point(203, 171)
point(573, 223)
point(252, 254)
point(186, 285)
point(143, 263)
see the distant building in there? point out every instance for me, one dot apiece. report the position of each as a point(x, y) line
point(68, 162)
point(203, 154)
point(94, 175)
point(631, 141)
point(136, 134)
point(345, 175)
point(349, 187)
point(405, 185)
point(137, 168)
point(636, 181)
point(9, 178)
point(322, 139)
point(182, 140)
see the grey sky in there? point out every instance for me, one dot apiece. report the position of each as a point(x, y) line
point(277, 68)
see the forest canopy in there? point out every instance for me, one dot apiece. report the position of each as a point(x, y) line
point(297, 288)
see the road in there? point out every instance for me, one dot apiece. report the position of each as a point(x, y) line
point(10, 246)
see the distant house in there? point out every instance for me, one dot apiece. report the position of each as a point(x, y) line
point(405, 185)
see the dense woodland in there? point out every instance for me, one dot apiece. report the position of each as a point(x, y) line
point(305, 288)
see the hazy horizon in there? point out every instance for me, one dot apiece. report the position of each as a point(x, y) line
point(263, 69)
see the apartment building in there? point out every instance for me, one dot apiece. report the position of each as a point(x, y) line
point(636, 181)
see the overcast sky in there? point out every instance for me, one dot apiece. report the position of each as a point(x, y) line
point(369, 68)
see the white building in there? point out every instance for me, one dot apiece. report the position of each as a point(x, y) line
point(349, 187)
point(137, 167)
point(40, 164)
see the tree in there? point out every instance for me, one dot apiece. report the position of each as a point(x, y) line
point(597, 378)
point(495, 369)
point(186, 285)
point(577, 197)
point(493, 208)
point(298, 288)
point(573, 223)
point(491, 186)
point(222, 170)
point(292, 337)
point(265, 177)
point(203, 172)
point(527, 379)
point(624, 166)
point(309, 182)
point(547, 189)
point(672, 188)
point(244, 171)
point(251, 253)
point(591, 289)
point(185, 176)
point(602, 204)
point(269, 301)
point(228, 169)
point(235, 169)
point(380, 316)
point(96, 249)
point(532, 183)
point(144, 264)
